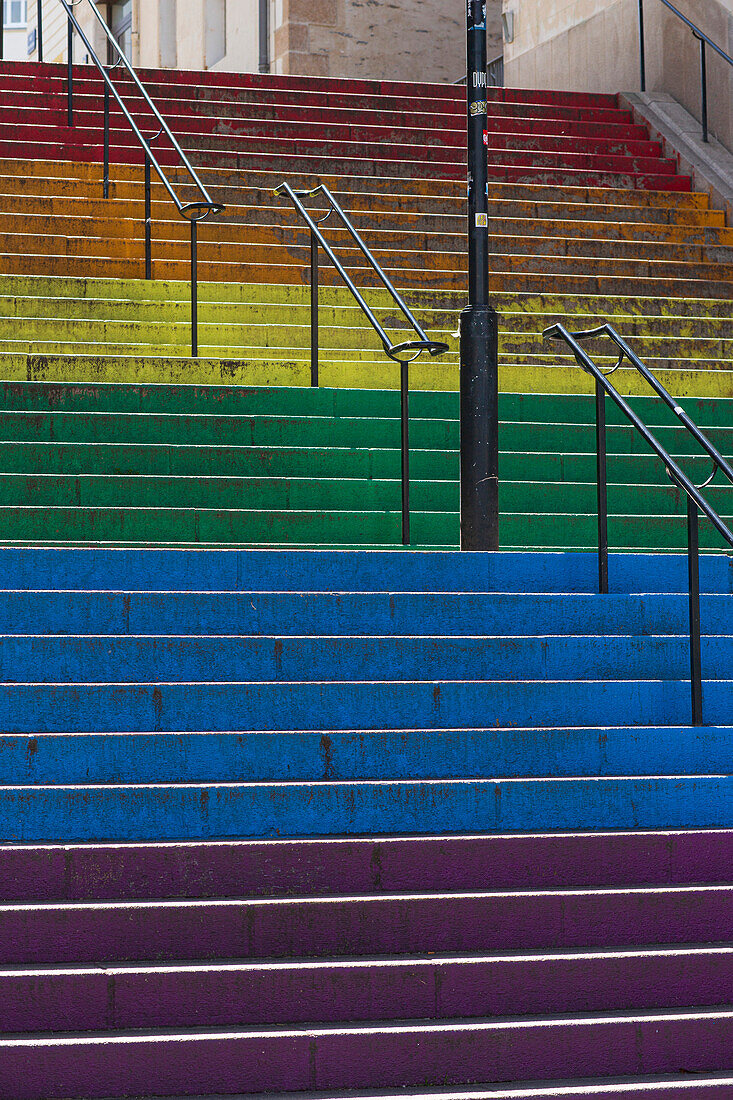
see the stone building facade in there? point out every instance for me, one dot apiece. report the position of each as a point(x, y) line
point(593, 45)
point(374, 39)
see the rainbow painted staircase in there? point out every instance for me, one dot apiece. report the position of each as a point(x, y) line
point(590, 222)
point(351, 822)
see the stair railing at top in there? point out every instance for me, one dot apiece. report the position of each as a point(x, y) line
point(696, 502)
point(193, 212)
point(704, 42)
point(494, 73)
point(403, 353)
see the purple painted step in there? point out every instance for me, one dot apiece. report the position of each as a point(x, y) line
point(456, 923)
point(275, 868)
point(232, 995)
point(368, 1057)
point(698, 1087)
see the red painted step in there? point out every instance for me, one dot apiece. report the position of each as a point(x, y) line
point(345, 134)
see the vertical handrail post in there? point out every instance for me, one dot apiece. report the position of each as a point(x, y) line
point(194, 289)
point(704, 89)
point(602, 489)
point(642, 47)
point(693, 570)
point(405, 448)
point(2, 35)
point(106, 141)
point(70, 72)
point(314, 309)
point(39, 29)
point(148, 221)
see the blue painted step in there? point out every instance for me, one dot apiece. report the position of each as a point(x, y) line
point(289, 614)
point(266, 757)
point(290, 693)
point(108, 659)
point(350, 571)
point(167, 812)
point(109, 708)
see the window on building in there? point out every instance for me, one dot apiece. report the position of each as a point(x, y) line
point(122, 24)
point(15, 13)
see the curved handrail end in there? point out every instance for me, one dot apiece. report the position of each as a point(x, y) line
point(205, 209)
point(434, 347)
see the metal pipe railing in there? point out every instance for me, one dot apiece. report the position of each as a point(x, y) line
point(396, 352)
point(696, 502)
point(192, 212)
point(704, 41)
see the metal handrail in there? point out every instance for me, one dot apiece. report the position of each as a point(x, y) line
point(395, 351)
point(719, 462)
point(494, 73)
point(696, 502)
point(704, 41)
point(193, 212)
point(207, 204)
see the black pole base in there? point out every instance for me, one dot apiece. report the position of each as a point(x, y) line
point(479, 428)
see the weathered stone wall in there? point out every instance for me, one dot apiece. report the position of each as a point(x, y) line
point(593, 45)
point(388, 39)
point(374, 39)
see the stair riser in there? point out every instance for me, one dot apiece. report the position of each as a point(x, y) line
point(229, 400)
point(287, 615)
point(343, 926)
point(150, 570)
point(276, 430)
point(221, 997)
point(193, 660)
point(331, 706)
point(144, 813)
point(95, 491)
point(269, 757)
point(179, 460)
point(371, 1059)
point(213, 132)
point(274, 868)
point(380, 529)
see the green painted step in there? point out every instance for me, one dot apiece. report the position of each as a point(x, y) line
point(332, 494)
point(323, 462)
point(201, 526)
point(291, 431)
point(313, 401)
point(187, 525)
point(343, 431)
point(166, 459)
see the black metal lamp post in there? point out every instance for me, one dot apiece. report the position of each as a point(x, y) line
point(479, 377)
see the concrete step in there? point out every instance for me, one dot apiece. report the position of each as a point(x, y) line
point(345, 926)
point(160, 570)
point(330, 1058)
point(320, 867)
point(358, 756)
point(172, 659)
point(218, 994)
point(337, 614)
point(281, 705)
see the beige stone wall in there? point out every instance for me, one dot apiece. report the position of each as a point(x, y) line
point(680, 70)
point(408, 40)
point(374, 39)
point(593, 45)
